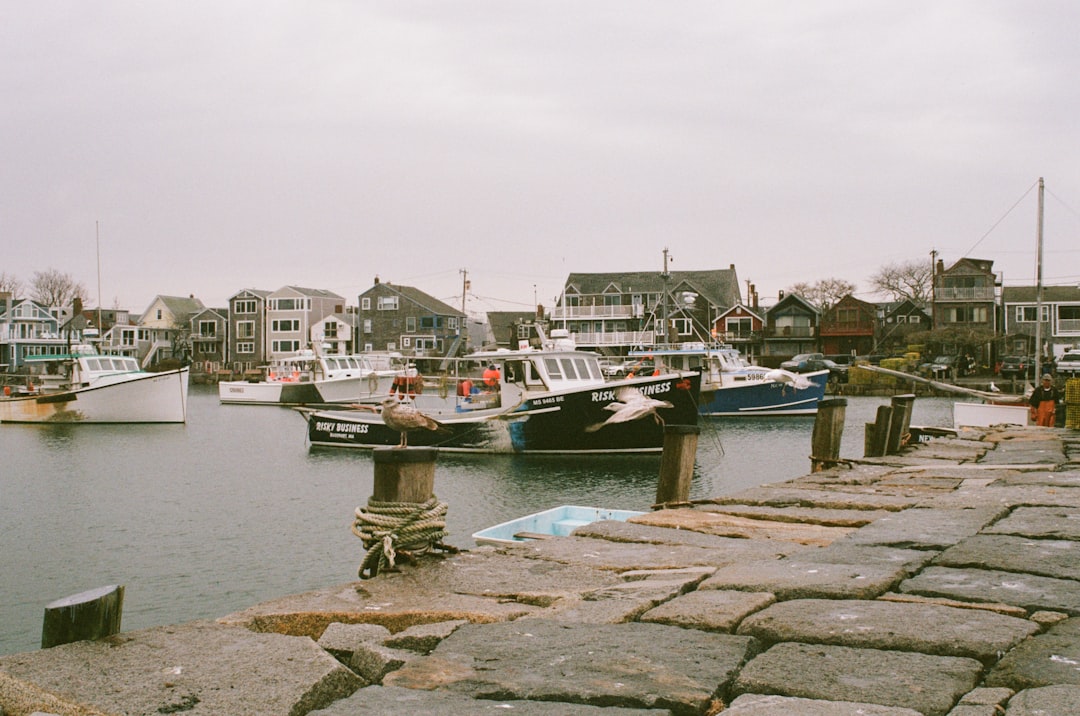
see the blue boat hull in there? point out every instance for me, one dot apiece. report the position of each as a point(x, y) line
point(764, 398)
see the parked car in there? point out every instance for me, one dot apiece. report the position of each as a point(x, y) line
point(1069, 364)
point(1017, 367)
point(940, 367)
point(800, 362)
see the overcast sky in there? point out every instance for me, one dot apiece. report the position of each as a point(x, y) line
point(225, 145)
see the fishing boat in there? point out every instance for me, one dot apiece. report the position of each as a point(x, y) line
point(84, 386)
point(312, 377)
point(556, 522)
point(730, 386)
point(553, 399)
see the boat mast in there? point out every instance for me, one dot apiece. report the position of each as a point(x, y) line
point(666, 276)
point(97, 240)
point(1039, 285)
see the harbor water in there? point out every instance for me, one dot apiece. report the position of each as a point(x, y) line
point(233, 508)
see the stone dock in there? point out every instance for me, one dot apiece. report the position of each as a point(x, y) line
point(943, 580)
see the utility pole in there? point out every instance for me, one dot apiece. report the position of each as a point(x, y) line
point(464, 316)
point(1038, 286)
point(933, 289)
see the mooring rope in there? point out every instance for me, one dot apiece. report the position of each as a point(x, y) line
point(389, 527)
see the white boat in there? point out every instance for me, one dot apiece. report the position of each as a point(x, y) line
point(556, 522)
point(730, 386)
point(549, 400)
point(312, 377)
point(83, 386)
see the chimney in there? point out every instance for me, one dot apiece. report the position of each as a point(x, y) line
point(752, 298)
point(781, 296)
point(940, 266)
point(376, 280)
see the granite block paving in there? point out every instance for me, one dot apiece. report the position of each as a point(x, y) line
point(1029, 591)
point(199, 668)
point(791, 579)
point(927, 529)
point(1049, 658)
point(925, 628)
point(1046, 701)
point(759, 705)
point(630, 665)
point(930, 685)
point(1040, 522)
point(1045, 557)
point(709, 610)
point(387, 700)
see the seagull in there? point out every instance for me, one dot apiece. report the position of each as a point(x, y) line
point(994, 388)
point(797, 381)
point(405, 419)
point(630, 404)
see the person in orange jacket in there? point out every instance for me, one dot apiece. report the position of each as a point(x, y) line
point(1044, 402)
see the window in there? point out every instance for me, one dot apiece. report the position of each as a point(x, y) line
point(245, 305)
point(245, 329)
point(914, 319)
point(682, 326)
point(410, 324)
point(288, 325)
point(208, 329)
point(1026, 314)
point(388, 303)
point(739, 326)
point(391, 346)
point(365, 304)
point(285, 346)
point(245, 347)
point(367, 327)
point(406, 342)
point(452, 323)
point(964, 314)
point(428, 322)
point(330, 329)
point(159, 314)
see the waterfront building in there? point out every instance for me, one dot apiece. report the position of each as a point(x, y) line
point(291, 311)
point(791, 327)
point(166, 333)
point(209, 340)
point(1060, 317)
point(617, 312)
point(848, 327)
point(407, 320)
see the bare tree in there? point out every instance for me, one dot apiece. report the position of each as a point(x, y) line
point(906, 279)
point(53, 288)
point(10, 284)
point(825, 292)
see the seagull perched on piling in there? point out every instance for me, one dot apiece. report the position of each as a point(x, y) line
point(631, 404)
point(405, 419)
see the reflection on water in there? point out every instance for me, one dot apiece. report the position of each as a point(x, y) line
point(233, 508)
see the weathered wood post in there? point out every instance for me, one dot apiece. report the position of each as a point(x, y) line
point(93, 614)
point(403, 518)
point(677, 464)
point(404, 474)
point(828, 432)
point(900, 425)
point(877, 432)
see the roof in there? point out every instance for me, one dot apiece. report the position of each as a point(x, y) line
point(311, 292)
point(1051, 294)
point(418, 297)
point(182, 307)
point(719, 286)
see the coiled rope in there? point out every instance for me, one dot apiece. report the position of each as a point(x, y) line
point(387, 528)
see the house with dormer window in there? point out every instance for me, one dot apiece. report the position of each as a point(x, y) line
point(848, 327)
point(209, 340)
point(619, 312)
point(404, 319)
point(246, 332)
point(741, 327)
point(27, 328)
point(334, 334)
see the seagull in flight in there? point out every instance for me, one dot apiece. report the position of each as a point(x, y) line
point(405, 419)
point(630, 404)
point(795, 380)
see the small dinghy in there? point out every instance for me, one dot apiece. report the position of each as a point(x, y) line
point(556, 522)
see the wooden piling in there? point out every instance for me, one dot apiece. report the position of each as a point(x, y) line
point(404, 474)
point(677, 464)
point(900, 425)
point(877, 432)
point(828, 432)
point(93, 614)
